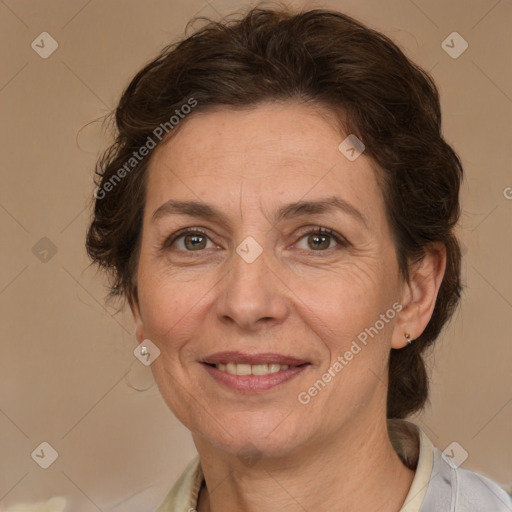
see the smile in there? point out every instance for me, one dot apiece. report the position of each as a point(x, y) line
point(252, 373)
point(251, 369)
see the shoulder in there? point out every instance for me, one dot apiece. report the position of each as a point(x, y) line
point(440, 483)
point(475, 492)
point(455, 489)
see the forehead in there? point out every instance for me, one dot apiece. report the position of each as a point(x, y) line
point(281, 133)
point(274, 152)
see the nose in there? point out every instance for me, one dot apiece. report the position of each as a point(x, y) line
point(253, 295)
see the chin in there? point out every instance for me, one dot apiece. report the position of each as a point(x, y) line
point(252, 436)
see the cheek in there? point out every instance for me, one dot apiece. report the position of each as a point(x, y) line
point(346, 299)
point(169, 308)
point(344, 310)
point(356, 348)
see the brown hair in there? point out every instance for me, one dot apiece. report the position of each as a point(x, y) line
point(318, 56)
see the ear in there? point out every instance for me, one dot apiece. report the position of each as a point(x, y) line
point(133, 301)
point(419, 295)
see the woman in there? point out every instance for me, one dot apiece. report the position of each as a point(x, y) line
point(278, 210)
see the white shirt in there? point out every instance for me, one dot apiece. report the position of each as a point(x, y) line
point(438, 485)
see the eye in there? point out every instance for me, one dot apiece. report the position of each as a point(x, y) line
point(194, 240)
point(320, 239)
point(191, 240)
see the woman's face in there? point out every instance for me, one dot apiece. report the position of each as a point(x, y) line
point(260, 283)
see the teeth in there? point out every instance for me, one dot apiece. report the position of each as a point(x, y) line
point(248, 369)
point(259, 369)
point(243, 369)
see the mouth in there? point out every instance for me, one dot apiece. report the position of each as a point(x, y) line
point(253, 372)
point(251, 369)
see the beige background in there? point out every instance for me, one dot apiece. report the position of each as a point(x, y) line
point(68, 373)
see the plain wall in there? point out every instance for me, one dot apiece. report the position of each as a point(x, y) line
point(68, 373)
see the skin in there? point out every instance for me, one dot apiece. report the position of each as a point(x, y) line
point(294, 299)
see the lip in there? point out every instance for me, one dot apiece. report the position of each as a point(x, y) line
point(244, 358)
point(254, 383)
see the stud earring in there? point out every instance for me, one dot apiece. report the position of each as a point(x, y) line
point(408, 338)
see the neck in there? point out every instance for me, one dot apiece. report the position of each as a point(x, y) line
point(359, 468)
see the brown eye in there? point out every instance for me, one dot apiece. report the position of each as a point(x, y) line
point(316, 241)
point(193, 242)
point(321, 239)
point(188, 241)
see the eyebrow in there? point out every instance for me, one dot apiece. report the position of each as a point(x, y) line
point(288, 211)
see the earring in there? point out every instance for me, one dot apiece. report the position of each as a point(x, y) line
point(408, 338)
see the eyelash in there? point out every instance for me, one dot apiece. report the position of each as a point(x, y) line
point(340, 240)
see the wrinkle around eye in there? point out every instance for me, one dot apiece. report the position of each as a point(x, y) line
point(173, 243)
